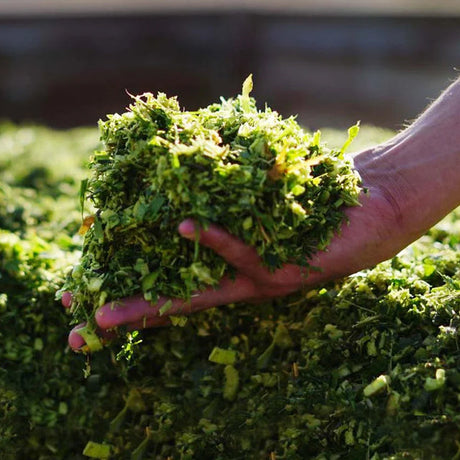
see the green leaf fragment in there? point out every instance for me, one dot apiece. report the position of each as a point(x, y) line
point(179, 321)
point(381, 383)
point(82, 195)
point(333, 332)
point(202, 273)
point(352, 133)
point(63, 408)
point(165, 307)
point(222, 356)
point(148, 281)
point(393, 403)
point(298, 190)
point(141, 449)
point(264, 359)
point(282, 337)
point(428, 268)
point(95, 284)
point(38, 344)
point(110, 219)
point(135, 401)
point(247, 223)
point(98, 231)
point(92, 340)
point(231, 382)
point(437, 383)
point(97, 450)
point(247, 88)
point(117, 421)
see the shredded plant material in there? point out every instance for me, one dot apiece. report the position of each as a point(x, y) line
point(260, 176)
point(46, 408)
point(362, 368)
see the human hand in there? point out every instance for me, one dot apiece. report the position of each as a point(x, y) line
point(413, 181)
point(252, 283)
point(363, 242)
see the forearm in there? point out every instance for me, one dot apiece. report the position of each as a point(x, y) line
point(420, 168)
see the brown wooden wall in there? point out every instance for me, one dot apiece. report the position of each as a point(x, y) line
point(330, 70)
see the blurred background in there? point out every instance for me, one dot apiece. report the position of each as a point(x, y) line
point(332, 62)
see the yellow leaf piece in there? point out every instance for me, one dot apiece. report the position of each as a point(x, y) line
point(88, 221)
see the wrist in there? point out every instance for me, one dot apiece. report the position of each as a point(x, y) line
point(418, 173)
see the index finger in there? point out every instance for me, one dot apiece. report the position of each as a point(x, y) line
point(138, 311)
point(231, 248)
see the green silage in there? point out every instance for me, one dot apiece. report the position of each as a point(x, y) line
point(260, 176)
point(365, 367)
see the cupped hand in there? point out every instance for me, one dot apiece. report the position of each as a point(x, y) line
point(373, 232)
point(413, 181)
point(253, 282)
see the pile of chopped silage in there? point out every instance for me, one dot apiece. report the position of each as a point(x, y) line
point(363, 368)
point(259, 175)
point(47, 410)
point(366, 367)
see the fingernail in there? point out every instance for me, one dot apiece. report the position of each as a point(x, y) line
point(187, 229)
point(102, 319)
point(75, 340)
point(66, 299)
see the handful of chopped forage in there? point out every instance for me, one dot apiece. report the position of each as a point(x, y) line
point(260, 176)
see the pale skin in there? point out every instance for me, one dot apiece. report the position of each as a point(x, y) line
point(413, 181)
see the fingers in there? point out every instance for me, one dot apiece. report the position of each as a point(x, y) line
point(138, 313)
point(66, 299)
point(245, 258)
point(76, 341)
point(233, 250)
point(134, 310)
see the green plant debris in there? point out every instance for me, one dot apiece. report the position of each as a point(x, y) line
point(97, 450)
point(47, 409)
point(436, 383)
point(381, 383)
point(139, 452)
point(321, 350)
point(221, 356)
point(262, 177)
point(386, 387)
point(92, 340)
point(231, 382)
point(179, 321)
